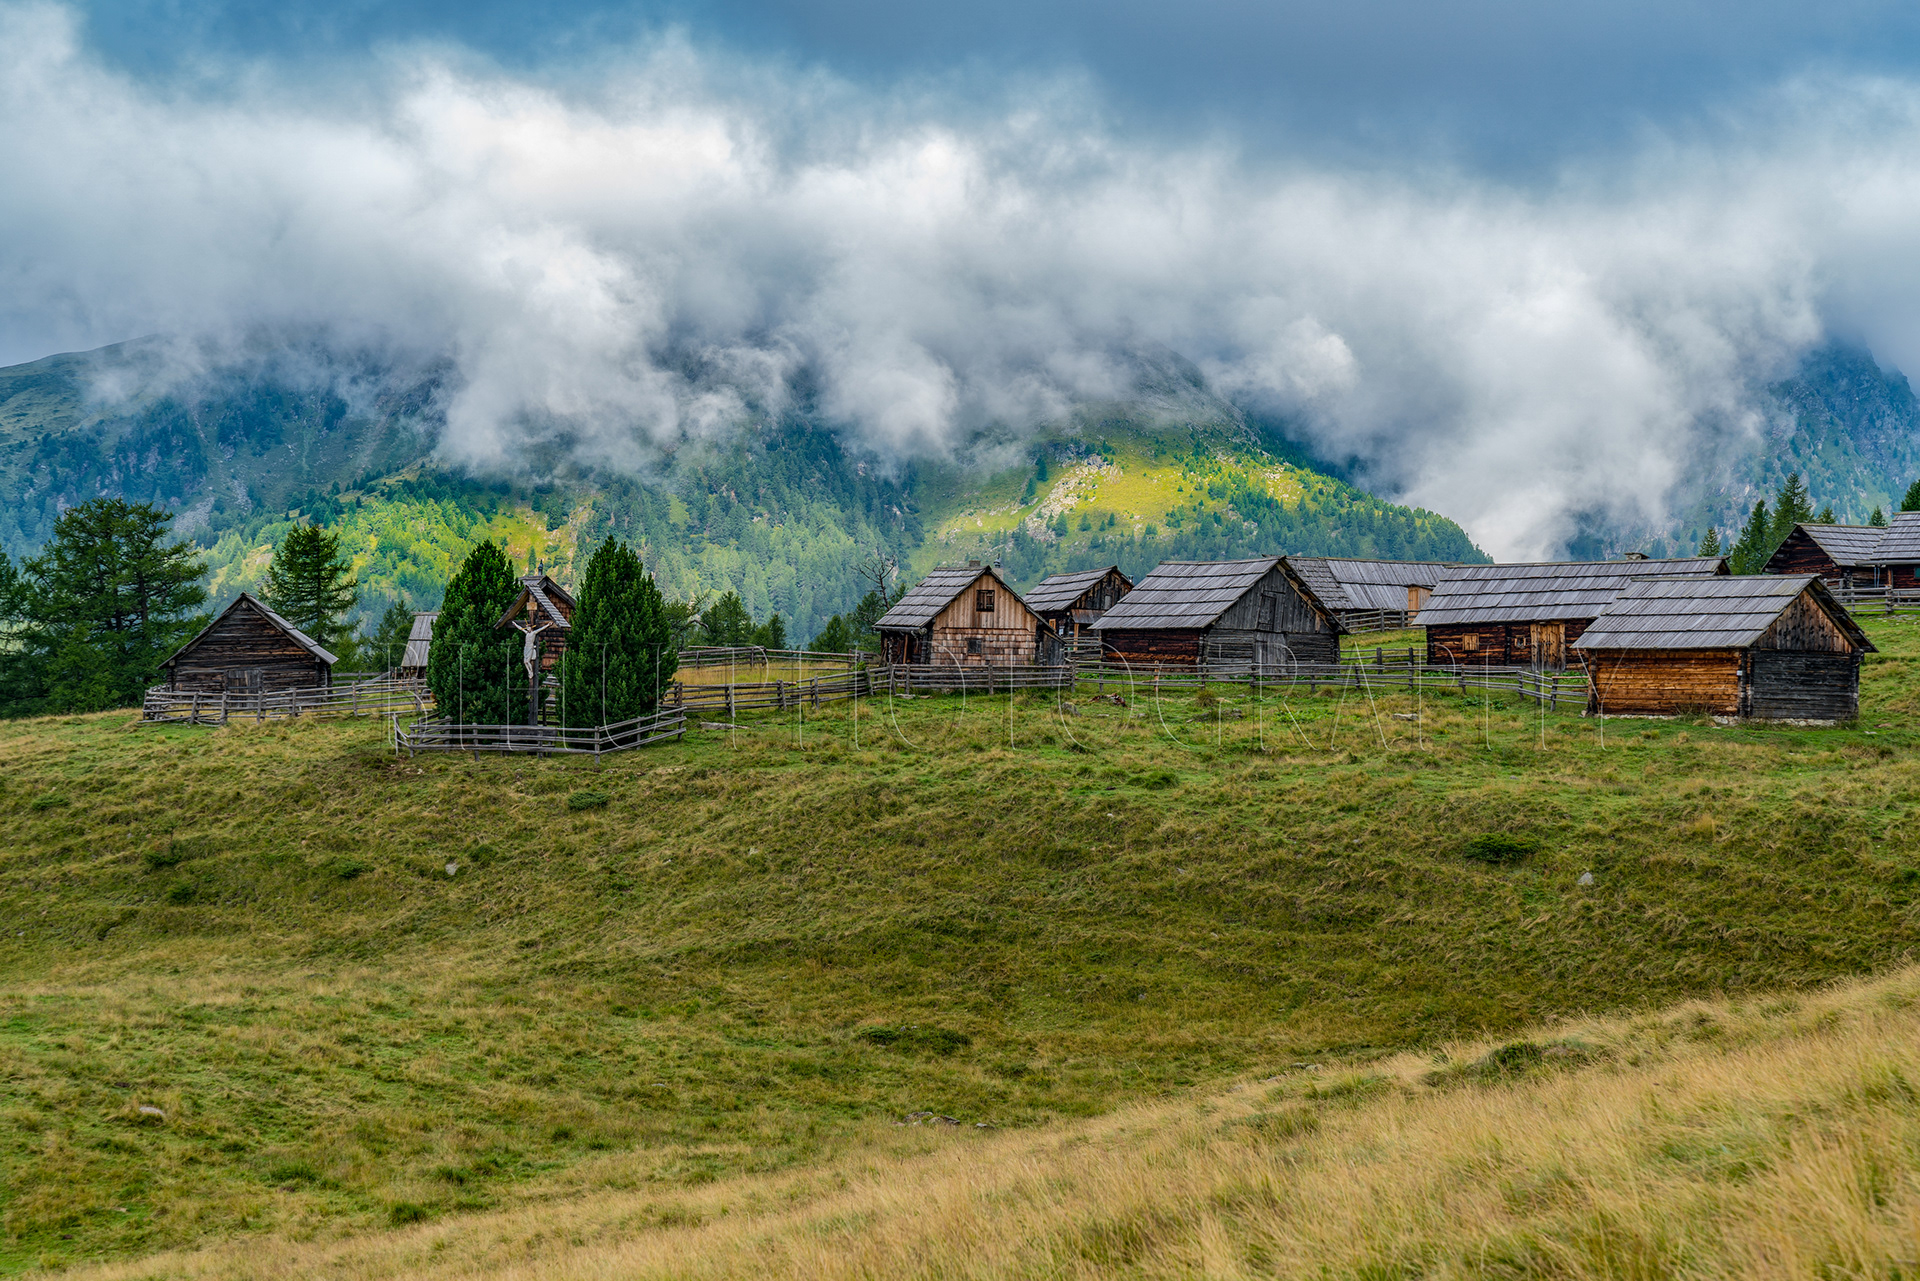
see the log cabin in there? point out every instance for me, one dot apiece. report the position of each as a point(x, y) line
point(1370, 591)
point(1072, 603)
point(967, 616)
point(1840, 554)
point(1758, 646)
point(1528, 615)
point(1252, 611)
point(413, 660)
point(1896, 558)
point(249, 649)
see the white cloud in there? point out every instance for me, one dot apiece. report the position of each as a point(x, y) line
point(640, 262)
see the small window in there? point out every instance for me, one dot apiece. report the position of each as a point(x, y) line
point(983, 602)
point(1470, 643)
point(973, 642)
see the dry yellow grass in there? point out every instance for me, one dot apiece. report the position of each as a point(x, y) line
point(1766, 1139)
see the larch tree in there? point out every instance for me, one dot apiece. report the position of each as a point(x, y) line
point(310, 584)
point(473, 666)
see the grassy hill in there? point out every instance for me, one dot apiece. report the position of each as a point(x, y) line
point(714, 976)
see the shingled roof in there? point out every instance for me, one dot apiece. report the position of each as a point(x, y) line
point(1707, 613)
point(1548, 591)
point(939, 589)
point(547, 596)
point(1344, 583)
point(1899, 542)
point(294, 634)
point(419, 640)
point(1059, 592)
point(1182, 594)
point(1847, 544)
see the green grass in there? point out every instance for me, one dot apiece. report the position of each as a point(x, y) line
point(747, 951)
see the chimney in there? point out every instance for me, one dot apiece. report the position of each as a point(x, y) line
point(973, 564)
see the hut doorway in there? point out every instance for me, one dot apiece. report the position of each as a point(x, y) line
point(1550, 645)
point(243, 680)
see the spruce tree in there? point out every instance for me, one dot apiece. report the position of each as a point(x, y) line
point(1826, 516)
point(727, 622)
point(1755, 543)
point(389, 642)
point(1878, 520)
point(1791, 507)
point(620, 655)
point(1709, 545)
point(473, 667)
point(310, 584)
point(108, 601)
point(1911, 503)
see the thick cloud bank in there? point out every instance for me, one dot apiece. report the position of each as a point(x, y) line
point(637, 260)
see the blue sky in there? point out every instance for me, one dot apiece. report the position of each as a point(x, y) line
point(1494, 84)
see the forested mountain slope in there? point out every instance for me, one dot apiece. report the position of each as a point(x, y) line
point(785, 512)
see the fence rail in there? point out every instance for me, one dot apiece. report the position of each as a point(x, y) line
point(375, 696)
point(698, 657)
point(1374, 620)
point(1880, 600)
point(435, 735)
point(771, 695)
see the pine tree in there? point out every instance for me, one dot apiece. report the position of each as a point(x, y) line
point(727, 622)
point(1826, 516)
point(771, 634)
point(1878, 520)
point(835, 638)
point(620, 656)
point(1755, 544)
point(1791, 507)
point(1710, 545)
point(472, 666)
point(107, 602)
point(1911, 503)
point(389, 641)
point(310, 584)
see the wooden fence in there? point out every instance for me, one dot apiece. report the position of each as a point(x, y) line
point(1374, 620)
point(698, 657)
point(374, 696)
point(771, 695)
point(1877, 600)
point(541, 740)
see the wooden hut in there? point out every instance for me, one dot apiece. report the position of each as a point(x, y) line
point(1256, 611)
point(1757, 646)
point(1840, 554)
point(413, 660)
point(1896, 558)
point(1527, 615)
point(249, 649)
point(966, 615)
point(1370, 593)
point(1072, 603)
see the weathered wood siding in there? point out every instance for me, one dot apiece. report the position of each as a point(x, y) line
point(1903, 577)
point(1271, 623)
point(244, 653)
point(1786, 685)
point(1801, 555)
point(1086, 610)
point(1160, 645)
point(1499, 644)
point(1805, 626)
point(963, 633)
point(1657, 682)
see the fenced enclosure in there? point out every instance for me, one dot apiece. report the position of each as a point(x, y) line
point(703, 657)
point(435, 735)
point(1877, 600)
point(774, 695)
point(378, 695)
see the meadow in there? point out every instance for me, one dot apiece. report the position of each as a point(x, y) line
point(275, 985)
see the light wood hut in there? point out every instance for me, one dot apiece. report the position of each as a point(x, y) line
point(1759, 646)
point(1527, 615)
point(249, 649)
point(1252, 611)
point(966, 615)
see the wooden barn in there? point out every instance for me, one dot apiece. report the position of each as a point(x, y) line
point(1375, 593)
point(1187, 611)
point(1896, 558)
point(1840, 554)
point(1528, 615)
point(249, 649)
point(1759, 646)
point(413, 661)
point(967, 616)
point(1072, 603)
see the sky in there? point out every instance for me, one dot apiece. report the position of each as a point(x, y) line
point(1518, 261)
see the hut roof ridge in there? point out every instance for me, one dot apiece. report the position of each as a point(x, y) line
point(299, 637)
point(1707, 613)
point(1544, 591)
point(939, 588)
point(1182, 594)
point(1058, 591)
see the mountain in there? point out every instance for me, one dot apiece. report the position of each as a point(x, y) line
point(786, 511)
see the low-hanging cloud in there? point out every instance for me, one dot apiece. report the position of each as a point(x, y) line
point(645, 259)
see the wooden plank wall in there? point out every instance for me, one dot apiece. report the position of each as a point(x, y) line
point(1801, 555)
point(1231, 645)
point(1273, 605)
point(1805, 627)
point(241, 641)
point(1499, 644)
point(1665, 682)
point(1008, 634)
point(1787, 685)
point(1164, 645)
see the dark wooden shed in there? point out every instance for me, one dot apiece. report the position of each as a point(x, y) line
point(1840, 554)
point(1896, 558)
point(1072, 603)
point(1527, 615)
point(1758, 646)
point(1371, 593)
point(966, 615)
point(249, 649)
point(1254, 611)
